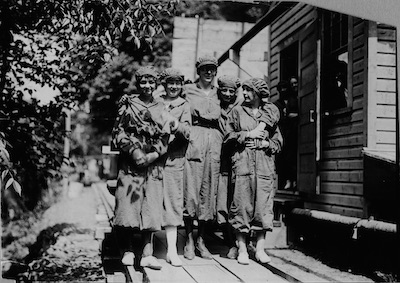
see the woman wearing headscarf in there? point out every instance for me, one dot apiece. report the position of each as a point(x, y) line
point(203, 156)
point(253, 169)
point(177, 111)
point(228, 87)
point(139, 136)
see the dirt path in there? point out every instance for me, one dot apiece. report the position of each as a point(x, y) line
point(66, 249)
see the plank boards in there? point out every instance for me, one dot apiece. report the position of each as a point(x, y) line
point(220, 269)
point(253, 272)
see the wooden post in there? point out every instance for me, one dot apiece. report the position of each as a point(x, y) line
point(196, 53)
point(398, 149)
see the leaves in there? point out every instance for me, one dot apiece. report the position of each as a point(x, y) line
point(63, 45)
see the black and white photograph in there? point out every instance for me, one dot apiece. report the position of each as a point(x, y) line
point(199, 141)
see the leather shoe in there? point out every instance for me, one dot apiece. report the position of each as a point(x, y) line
point(150, 262)
point(262, 257)
point(174, 260)
point(188, 252)
point(233, 253)
point(204, 252)
point(128, 258)
point(243, 258)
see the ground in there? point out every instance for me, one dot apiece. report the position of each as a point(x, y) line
point(62, 246)
point(65, 247)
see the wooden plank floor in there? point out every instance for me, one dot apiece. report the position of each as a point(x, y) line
point(220, 269)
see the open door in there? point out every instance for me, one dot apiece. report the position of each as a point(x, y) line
point(308, 147)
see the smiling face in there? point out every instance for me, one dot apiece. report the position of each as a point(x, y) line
point(173, 87)
point(147, 85)
point(207, 73)
point(228, 94)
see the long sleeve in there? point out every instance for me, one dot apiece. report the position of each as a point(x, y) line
point(120, 137)
point(233, 130)
point(185, 122)
point(275, 142)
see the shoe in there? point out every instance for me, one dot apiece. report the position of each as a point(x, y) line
point(243, 258)
point(204, 252)
point(233, 253)
point(174, 260)
point(188, 252)
point(128, 258)
point(288, 185)
point(150, 262)
point(262, 257)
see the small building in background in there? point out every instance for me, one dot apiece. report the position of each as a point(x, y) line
point(194, 37)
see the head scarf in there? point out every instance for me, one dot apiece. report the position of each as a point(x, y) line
point(146, 71)
point(259, 86)
point(171, 73)
point(228, 81)
point(206, 60)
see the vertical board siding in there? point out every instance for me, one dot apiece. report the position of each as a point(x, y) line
point(386, 87)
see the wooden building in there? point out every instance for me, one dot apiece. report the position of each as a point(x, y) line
point(340, 146)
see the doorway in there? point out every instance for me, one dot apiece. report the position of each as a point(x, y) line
point(289, 62)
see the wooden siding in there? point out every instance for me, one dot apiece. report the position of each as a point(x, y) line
point(343, 137)
point(282, 33)
point(386, 87)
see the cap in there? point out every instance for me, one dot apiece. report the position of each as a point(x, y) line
point(259, 86)
point(146, 70)
point(206, 60)
point(228, 81)
point(171, 73)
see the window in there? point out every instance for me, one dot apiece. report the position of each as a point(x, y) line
point(335, 93)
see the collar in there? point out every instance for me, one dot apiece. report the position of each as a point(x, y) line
point(199, 87)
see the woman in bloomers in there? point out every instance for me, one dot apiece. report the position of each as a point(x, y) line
point(139, 196)
point(203, 156)
point(177, 111)
point(253, 169)
point(228, 87)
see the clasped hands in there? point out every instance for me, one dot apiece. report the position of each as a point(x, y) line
point(255, 139)
point(142, 159)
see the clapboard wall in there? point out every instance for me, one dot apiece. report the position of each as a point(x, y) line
point(343, 135)
point(381, 102)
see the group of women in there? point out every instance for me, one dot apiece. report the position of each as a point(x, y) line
point(195, 153)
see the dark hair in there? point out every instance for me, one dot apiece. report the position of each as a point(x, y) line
point(282, 84)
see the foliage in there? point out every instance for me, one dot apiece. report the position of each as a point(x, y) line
point(113, 80)
point(60, 43)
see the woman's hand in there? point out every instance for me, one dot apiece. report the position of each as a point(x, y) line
point(256, 144)
point(151, 157)
point(256, 134)
point(141, 159)
point(138, 157)
point(264, 144)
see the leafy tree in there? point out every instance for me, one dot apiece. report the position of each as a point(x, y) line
point(63, 44)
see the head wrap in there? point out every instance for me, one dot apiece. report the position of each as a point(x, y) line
point(171, 73)
point(146, 71)
point(228, 81)
point(206, 60)
point(259, 86)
